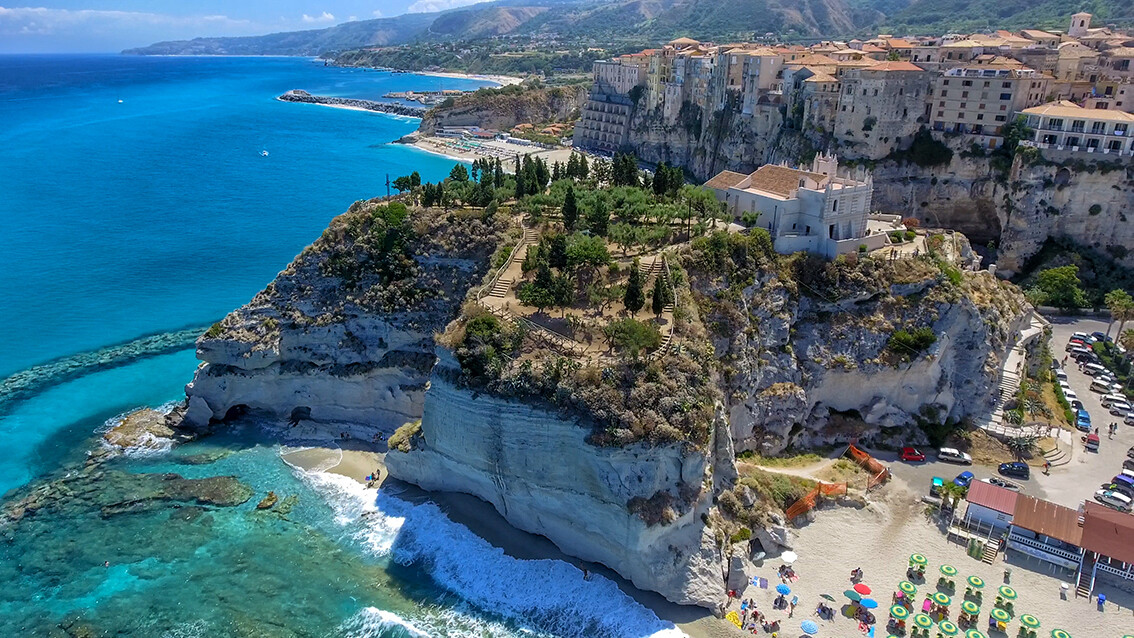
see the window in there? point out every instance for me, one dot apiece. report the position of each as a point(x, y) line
point(964, 93)
point(1000, 118)
point(941, 114)
point(1077, 126)
point(1006, 96)
point(875, 91)
point(986, 84)
point(1008, 85)
point(835, 206)
point(1003, 107)
point(1055, 124)
point(1072, 141)
point(980, 116)
point(942, 103)
point(960, 116)
point(944, 93)
point(1120, 129)
point(981, 106)
point(1092, 143)
point(964, 105)
point(1114, 145)
point(946, 82)
point(1098, 127)
point(966, 83)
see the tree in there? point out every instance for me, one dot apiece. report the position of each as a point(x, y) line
point(625, 171)
point(632, 336)
point(570, 209)
point(635, 296)
point(661, 295)
point(1121, 306)
point(598, 218)
point(403, 183)
point(585, 255)
point(557, 251)
point(1013, 133)
point(459, 173)
point(1126, 340)
point(1061, 287)
point(415, 179)
point(661, 180)
point(583, 169)
point(498, 174)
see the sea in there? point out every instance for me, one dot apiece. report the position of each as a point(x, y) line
point(141, 199)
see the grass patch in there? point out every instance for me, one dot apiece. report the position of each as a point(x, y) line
point(779, 489)
point(402, 438)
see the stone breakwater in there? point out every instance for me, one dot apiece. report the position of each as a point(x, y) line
point(296, 95)
point(28, 382)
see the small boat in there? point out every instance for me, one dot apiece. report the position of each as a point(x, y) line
point(120, 101)
point(263, 153)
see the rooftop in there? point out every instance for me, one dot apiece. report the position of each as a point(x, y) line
point(781, 180)
point(1108, 532)
point(895, 66)
point(992, 497)
point(725, 180)
point(1047, 518)
point(1063, 108)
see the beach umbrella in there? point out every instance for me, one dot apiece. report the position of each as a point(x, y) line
point(948, 628)
point(1000, 614)
point(853, 595)
point(899, 612)
point(809, 627)
point(948, 570)
point(862, 589)
point(940, 599)
point(923, 621)
point(918, 559)
point(827, 597)
point(1007, 592)
point(1059, 633)
point(789, 557)
point(975, 633)
point(783, 589)
point(868, 603)
point(975, 581)
point(1029, 621)
point(969, 607)
point(906, 587)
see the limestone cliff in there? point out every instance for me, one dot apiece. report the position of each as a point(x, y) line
point(535, 465)
point(504, 108)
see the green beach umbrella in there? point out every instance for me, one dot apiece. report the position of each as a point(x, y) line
point(975, 581)
point(1029, 621)
point(947, 628)
point(853, 595)
point(906, 587)
point(940, 599)
point(1059, 633)
point(923, 621)
point(918, 559)
point(969, 607)
point(948, 570)
point(1007, 592)
point(1000, 614)
point(899, 612)
point(975, 633)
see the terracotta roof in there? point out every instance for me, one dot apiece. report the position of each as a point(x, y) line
point(813, 60)
point(1063, 108)
point(963, 44)
point(1047, 518)
point(780, 180)
point(683, 42)
point(870, 48)
point(1036, 34)
point(992, 497)
point(822, 77)
point(895, 65)
point(1120, 52)
point(1108, 532)
point(725, 180)
point(900, 43)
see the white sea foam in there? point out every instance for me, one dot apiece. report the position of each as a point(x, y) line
point(548, 595)
point(379, 623)
point(148, 444)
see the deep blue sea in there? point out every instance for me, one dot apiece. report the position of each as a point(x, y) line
point(136, 200)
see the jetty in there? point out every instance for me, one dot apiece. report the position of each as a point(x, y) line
point(297, 95)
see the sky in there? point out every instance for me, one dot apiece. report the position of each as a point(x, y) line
point(94, 26)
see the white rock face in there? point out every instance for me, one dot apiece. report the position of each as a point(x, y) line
point(537, 470)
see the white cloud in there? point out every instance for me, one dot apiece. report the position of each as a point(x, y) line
point(324, 17)
point(431, 6)
point(42, 20)
point(377, 13)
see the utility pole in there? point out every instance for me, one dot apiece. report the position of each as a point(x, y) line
point(387, 186)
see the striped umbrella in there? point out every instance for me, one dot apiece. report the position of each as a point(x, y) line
point(923, 621)
point(948, 628)
point(948, 570)
point(1029, 621)
point(906, 587)
point(975, 633)
point(1000, 614)
point(969, 607)
point(1059, 633)
point(918, 559)
point(940, 598)
point(899, 612)
point(975, 581)
point(1007, 592)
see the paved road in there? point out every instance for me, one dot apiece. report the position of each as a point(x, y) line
point(1077, 481)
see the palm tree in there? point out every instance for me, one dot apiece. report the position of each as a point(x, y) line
point(1121, 306)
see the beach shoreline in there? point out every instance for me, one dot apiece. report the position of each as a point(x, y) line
point(502, 80)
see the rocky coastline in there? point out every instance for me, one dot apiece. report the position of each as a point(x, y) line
point(297, 95)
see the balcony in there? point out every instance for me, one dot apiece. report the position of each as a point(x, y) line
point(1043, 547)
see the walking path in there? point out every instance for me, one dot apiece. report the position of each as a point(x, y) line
point(1011, 374)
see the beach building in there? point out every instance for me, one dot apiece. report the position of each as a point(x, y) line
point(1047, 531)
point(989, 506)
point(804, 210)
point(1108, 546)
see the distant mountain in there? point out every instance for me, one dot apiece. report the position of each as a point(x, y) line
point(622, 21)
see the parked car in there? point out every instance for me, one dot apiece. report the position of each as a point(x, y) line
point(911, 454)
point(1130, 452)
point(953, 455)
point(1079, 351)
point(1074, 344)
point(1113, 500)
point(1120, 408)
point(1084, 357)
point(1060, 375)
point(1083, 421)
point(963, 479)
point(1093, 369)
point(1070, 395)
point(1128, 464)
point(1100, 336)
point(1076, 404)
point(1112, 398)
point(1100, 386)
point(1082, 336)
point(1129, 420)
point(1121, 488)
point(999, 482)
point(1015, 469)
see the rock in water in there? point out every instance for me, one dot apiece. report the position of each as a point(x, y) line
point(268, 502)
point(140, 428)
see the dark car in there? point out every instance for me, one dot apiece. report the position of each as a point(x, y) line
point(1100, 336)
point(1015, 469)
point(1121, 488)
point(1085, 357)
point(963, 479)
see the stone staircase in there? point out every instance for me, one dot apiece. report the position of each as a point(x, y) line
point(1056, 456)
point(1011, 373)
point(651, 269)
point(501, 288)
point(991, 549)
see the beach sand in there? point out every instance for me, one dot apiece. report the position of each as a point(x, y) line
point(502, 80)
point(437, 146)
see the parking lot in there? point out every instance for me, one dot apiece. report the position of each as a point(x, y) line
point(1069, 483)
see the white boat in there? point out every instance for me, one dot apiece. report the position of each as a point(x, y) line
point(263, 153)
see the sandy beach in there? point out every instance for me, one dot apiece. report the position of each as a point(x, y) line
point(502, 80)
point(442, 146)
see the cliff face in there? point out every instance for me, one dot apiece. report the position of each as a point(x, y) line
point(345, 333)
point(537, 469)
point(503, 109)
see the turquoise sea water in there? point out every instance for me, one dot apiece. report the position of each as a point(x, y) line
point(134, 201)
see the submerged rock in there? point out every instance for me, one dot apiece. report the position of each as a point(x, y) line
point(148, 429)
point(268, 502)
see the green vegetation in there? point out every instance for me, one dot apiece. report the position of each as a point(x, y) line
point(924, 150)
point(1059, 287)
point(909, 343)
point(402, 438)
point(633, 336)
point(214, 331)
point(1098, 271)
point(1117, 363)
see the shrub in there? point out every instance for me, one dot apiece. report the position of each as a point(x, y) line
point(632, 336)
point(741, 535)
point(214, 331)
point(1095, 209)
point(402, 438)
point(907, 343)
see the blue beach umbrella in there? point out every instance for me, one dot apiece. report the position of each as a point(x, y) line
point(868, 603)
point(809, 627)
point(783, 589)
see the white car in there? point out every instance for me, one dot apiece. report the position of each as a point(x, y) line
point(1129, 420)
point(1061, 375)
point(1115, 500)
point(1120, 408)
point(1082, 336)
point(953, 455)
point(1112, 398)
point(1070, 395)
